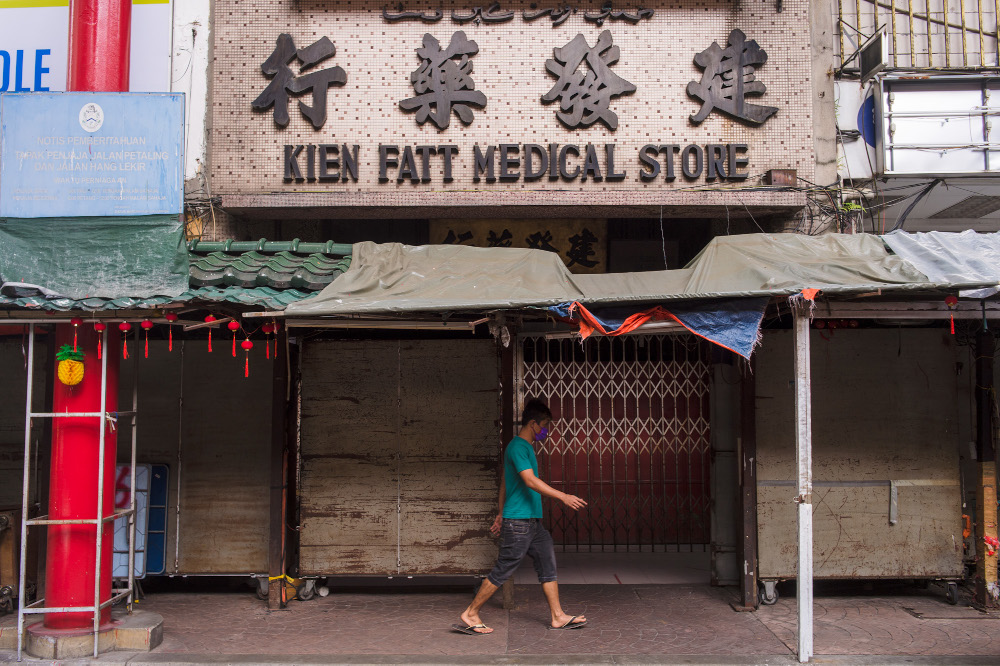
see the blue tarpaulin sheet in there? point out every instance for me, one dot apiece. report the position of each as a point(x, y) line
point(733, 324)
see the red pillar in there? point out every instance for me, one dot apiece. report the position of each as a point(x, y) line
point(99, 36)
point(69, 564)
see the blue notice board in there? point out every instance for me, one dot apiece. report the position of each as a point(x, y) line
point(94, 154)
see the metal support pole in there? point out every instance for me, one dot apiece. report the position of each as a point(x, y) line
point(180, 446)
point(276, 472)
point(132, 503)
point(506, 360)
point(748, 487)
point(24, 490)
point(102, 433)
point(987, 593)
point(803, 445)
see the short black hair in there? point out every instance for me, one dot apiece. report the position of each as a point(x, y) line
point(535, 410)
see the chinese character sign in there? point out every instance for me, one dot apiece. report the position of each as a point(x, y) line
point(284, 82)
point(443, 82)
point(541, 240)
point(586, 98)
point(581, 249)
point(580, 243)
point(729, 78)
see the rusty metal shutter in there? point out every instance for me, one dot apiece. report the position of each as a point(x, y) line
point(399, 454)
point(631, 437)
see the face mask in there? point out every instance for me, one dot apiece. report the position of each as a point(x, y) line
point(542, 434)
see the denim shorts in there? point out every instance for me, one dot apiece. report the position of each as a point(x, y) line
point(520, 537)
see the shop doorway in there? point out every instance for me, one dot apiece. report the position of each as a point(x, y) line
point(631, 436)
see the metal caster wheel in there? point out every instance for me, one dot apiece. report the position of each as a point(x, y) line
point(307, 591)
point(262, 586)
point(769, 593)
point(951, 594)
point(6, 599)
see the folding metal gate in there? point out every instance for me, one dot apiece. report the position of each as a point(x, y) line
point(631, 437)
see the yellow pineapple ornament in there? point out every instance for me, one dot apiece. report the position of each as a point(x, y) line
point(70, 370)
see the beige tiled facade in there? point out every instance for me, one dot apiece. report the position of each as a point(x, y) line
point(378, 57)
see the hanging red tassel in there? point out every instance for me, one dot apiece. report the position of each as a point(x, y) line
point(209, 319)
point(124, 327)
point(171, 317)
point(234, 326)
point(146, 325)
point(76, 321)
point(275, 327)
point(951, 301)
point(266, 328)
point(247, 345)
point(99, 327)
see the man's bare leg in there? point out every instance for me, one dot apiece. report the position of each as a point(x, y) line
point(559, 618)
point(471, 615)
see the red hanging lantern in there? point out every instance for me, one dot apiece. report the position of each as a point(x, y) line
point(234, 326)
point(275, 327)
point(247, 346)
point(952, 302)
point(146, 325)
point(124, 327)
point(209, 319)
point(100, 327)
point(76, 321)
point(267, 329)
point(171, 318)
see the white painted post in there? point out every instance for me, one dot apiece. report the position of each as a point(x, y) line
point(803, 445)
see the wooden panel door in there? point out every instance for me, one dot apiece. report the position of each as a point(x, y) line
point(399, 453)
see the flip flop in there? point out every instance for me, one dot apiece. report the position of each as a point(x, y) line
point(471, 630)
point(572, 624)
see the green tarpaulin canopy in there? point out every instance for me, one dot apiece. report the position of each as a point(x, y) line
point(394, 278)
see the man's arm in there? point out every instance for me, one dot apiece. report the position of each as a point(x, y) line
point(539, 486)
point(495, 527)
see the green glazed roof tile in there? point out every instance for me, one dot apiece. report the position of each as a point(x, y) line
point(271, 299)
point(282, 270)
point(253, 273)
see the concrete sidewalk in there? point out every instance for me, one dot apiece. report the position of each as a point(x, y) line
point(637, 624)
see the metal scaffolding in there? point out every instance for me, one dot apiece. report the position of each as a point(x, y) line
point(37, 607)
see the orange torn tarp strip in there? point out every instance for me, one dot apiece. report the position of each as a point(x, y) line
point(809, 294)
point(589, 324)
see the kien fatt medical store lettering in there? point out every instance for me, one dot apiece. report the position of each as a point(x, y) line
point(583, 94)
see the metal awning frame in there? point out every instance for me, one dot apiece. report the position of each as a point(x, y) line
point(923, 309)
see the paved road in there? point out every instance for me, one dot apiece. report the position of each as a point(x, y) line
point(628, 624)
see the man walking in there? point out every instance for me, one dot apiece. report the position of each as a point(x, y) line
point(519, 524)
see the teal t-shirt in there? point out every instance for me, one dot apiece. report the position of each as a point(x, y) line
point(520, 501)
